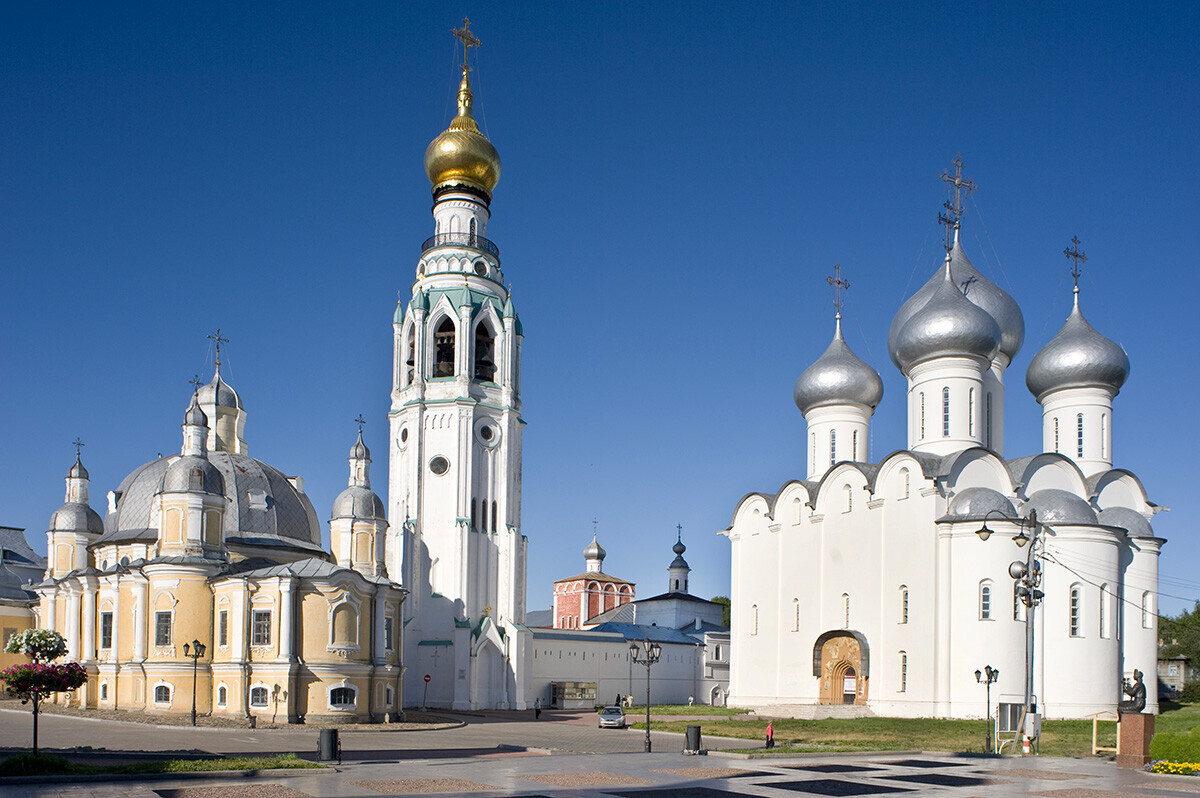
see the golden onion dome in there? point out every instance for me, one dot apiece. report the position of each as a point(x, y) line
point(461, 154)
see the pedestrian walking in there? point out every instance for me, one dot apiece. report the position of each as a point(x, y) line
point(618, 701)
point(537, 709)
point(770, 734)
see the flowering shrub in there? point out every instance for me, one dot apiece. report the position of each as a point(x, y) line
point(24, 681)
point(1178, 768)
point(36, 681)
point(40, 645)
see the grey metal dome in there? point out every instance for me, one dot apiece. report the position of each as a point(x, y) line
point(980, 291)
point(78, 471)
point(358, 502)
point(359, 450)
point(838, 377)
point(1060, 506)
point(193, 475)
point(194, 417)
point(1078, 357)
point(978, 501)
point(76, 517)
point(947, 325)
point(594, 550)
point(220, 393)
point(1131, 521)
point(262, 507)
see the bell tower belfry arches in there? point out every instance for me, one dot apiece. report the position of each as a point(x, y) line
point(842, 661)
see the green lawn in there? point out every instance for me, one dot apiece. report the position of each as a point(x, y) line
point(684, 709)
point(1059, 737)
point(25, 764)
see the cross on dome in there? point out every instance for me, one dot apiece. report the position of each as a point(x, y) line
point(218, 340)
point(195, 383)
point(836, 282)
point(956, 210)
point(468, 40)
point(78, 444)
point(360, 421)
point(1075, 254)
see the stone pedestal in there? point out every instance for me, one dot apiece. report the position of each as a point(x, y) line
point(1133, 742)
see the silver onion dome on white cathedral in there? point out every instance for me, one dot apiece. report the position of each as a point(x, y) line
point(594, 550)
point(1078, 357)
point(946, 325)
point(838, 377)
point(979, 290)
point(219, 393)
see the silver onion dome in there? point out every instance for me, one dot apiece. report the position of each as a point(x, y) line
point(838, 377)
point(194, 417)
point(219, 393)
point(78, 471)
point(1054, 505)
point(594, 550)
point(358, 502)
point(1131, 521)
point(76, 517)
point(359, 450)
point(1078, 357)
point(980, 291)
point(946, 325)
point(193, 475)
point(977, 502)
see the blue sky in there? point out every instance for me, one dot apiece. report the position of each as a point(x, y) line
point(678, 180)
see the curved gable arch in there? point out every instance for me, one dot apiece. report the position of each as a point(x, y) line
point(830, 493)
point(1120, 488)
point(785, 499)
point(1051, 471)
point(979, 468)
point(891, 473)
point(744, 513)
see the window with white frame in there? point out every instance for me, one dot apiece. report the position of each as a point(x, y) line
point(904, 483)
point(832, 446)
point(903, 604)
point(903, 672)
point(1079, 434)
point(389, 697)
point(162, 628)
point(854, 446)
point(1056, 445)
point(222, 695)
point(106, 629)
point(1146, 611)
point(342, 697)
point(849, 493)
point(846, 609)
point(162, 693)
point(223, 628)
point(103, 691)
point(985, 601)
point(971, 412)
point(1076, 610)
point(945, 412)
point(1103, 610)
point(795, 615)
point(259, 696)
point(389, 624)
point(260, 629)
point(753, 619)
point(922, 427)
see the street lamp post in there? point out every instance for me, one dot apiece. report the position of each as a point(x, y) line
point(649, 654)
point(1028, 578)
point(988, 675)
point(194, 652)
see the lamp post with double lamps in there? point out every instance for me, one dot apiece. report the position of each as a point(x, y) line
point(987, 676)
point(645, 653)
point(1028, 578)
point(194, 652)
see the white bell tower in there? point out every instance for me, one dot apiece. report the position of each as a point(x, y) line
point(454, 483)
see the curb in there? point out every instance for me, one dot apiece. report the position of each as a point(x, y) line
point(84, 778)
point(447, 723)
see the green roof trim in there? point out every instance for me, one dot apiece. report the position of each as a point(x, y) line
point(435, 643)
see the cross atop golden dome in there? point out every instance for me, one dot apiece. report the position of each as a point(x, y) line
point(462, 155)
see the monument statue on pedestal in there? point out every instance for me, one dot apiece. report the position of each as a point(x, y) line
point(1137, 696)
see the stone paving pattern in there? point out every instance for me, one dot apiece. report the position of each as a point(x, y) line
point(584, 761)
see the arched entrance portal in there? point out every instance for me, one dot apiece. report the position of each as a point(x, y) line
point(841, 660)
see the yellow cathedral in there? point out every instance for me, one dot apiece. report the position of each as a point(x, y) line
point(211, 546)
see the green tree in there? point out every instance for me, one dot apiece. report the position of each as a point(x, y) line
point(726, 609)
point(1181, 636)
point(34, 682)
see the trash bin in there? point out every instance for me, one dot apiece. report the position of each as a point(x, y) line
point(692, 744)
point(328, 747)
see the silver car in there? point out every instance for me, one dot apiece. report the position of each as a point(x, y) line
point(612, 718)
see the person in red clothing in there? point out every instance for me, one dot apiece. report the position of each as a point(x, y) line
point(770, 734)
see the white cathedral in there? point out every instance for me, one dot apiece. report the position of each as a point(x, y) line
point(869, 583)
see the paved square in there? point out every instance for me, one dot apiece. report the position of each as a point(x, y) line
point(239, 791)
point(409, 786)
point(833, 787)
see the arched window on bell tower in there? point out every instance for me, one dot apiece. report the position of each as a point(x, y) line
point(443, 349)
point(485, 354)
